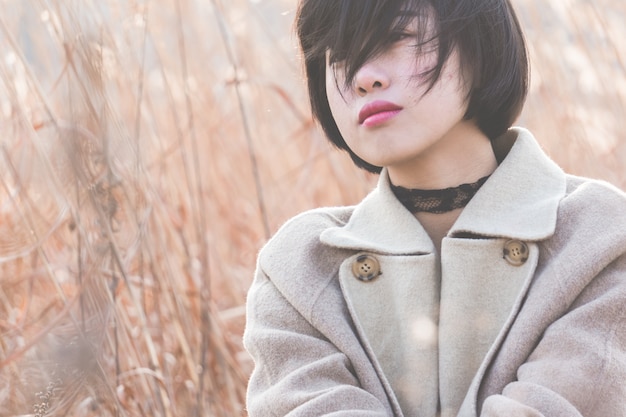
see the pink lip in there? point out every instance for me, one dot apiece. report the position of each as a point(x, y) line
point(378, 112)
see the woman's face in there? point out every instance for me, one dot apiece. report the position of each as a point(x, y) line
point(386, 118)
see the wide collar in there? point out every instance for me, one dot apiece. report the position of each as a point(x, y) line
point(519, 201)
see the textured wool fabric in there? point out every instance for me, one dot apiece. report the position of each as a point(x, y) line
point(479, 335)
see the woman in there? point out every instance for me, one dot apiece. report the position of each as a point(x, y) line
point(477, 279)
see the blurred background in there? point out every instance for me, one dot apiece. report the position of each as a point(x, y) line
point(148, 149)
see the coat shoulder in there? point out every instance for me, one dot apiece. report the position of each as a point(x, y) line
point(295, 252)
point(301, 233)
point(593, 201)
point(591, 220)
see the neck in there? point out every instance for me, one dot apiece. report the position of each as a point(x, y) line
point(465, 155)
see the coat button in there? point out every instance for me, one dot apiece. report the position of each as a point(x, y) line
point(366, 268)
point(515, 252)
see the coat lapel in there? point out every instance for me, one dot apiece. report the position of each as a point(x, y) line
point(380, 224)
point(520, 200)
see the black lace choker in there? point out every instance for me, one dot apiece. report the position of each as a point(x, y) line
point(437, 201)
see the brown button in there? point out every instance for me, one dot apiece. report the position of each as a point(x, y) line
point(515, 252)
point(366, 268)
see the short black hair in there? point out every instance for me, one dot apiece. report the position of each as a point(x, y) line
point(486, 33)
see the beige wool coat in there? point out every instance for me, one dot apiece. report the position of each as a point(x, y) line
point(352, 311)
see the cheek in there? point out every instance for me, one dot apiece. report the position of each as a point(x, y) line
point(426, 62)
point(452, 88)
point(334, 97)
point(416, 71)
point(330, 87)
point(331, 81)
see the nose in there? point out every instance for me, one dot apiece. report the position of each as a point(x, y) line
point(371, 77)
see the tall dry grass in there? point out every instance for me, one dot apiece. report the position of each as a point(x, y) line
point(148, 149)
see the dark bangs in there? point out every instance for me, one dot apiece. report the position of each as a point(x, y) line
point(363, 30)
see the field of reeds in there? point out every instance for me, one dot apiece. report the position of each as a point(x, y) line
point(149, 148)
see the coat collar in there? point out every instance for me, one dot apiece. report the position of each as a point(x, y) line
point(520, 200)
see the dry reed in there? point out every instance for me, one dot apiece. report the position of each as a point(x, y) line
point(148, 150)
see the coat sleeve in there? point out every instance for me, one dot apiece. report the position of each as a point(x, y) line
point(298, 372)
point(579, 366)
